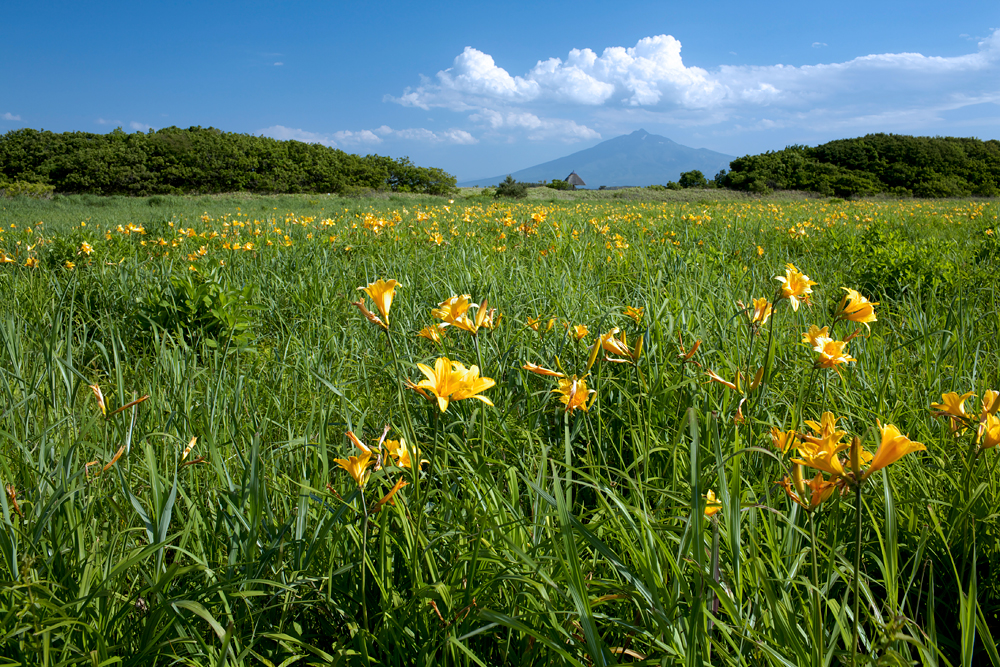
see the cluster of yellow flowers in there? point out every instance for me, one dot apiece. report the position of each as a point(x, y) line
point(396, 452)
point(821, 450)
point(986, 422)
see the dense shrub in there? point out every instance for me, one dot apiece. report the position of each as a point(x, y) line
point(201, 160)
point(24, 189)
point(693, 179)
point(877, 163)
point(511, 189)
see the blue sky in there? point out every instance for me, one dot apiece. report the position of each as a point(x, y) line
point(488, 88)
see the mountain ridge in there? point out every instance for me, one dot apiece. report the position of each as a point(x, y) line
point(639, 158)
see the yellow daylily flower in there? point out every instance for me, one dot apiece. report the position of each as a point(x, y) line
point(991, 402)
point(784, 440)
point(989, 432)
point(856, 308)
point(715, 377)
point(820, 490)
point(432, 333)
point(579, 331)
point(760, 313)
point(540, 370)
point(100, 398)
point(825, 428)
point(712, 504)
point(795, 286)
point(635, 312)
point(451, 381)
point(382, 293)
point(453, 311)
point(403, 454)
point(831, 353)
point(357, 466)
point(822, 456)
point(190, 446)
point(820, 449)
point(816, 336)
point(468, 384)
point(620, 347)
point(894, 446)
point(953, 406)
point(574, 393)
point(389, 497)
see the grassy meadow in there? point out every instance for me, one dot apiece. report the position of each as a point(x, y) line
point(212, 455)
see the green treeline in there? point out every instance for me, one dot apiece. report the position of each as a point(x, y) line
point(201, 160)
point(876, 163)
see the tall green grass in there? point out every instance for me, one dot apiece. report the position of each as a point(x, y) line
point(533, 536)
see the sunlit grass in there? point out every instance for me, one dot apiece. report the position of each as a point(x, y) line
point(564, 523)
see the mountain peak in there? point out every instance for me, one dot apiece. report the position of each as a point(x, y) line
point(639, 158)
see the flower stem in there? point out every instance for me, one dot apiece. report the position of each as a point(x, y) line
point(817, 604)
point(482, 409)
point(411, 435)
point(857, 576)
point(364, 563)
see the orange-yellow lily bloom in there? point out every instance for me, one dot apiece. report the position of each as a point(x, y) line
point(451, 381)
point(357, 466)
point(893, 447)
point(795, 286)
point(403, 454)
point(712, 504)
point(574, 393)
point(989, 432)
point(454, 311)
point(382, 293)
point(760, 313)
point(953, 406)
point(856, 308)
point(541, 370)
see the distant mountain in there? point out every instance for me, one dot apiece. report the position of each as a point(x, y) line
point(639, 158)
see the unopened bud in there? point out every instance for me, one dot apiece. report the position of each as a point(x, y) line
point(797, 482)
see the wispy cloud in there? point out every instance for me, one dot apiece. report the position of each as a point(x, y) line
point(288, 133)
point(10, 116)
point(819, 45)
point(534, 127)
point(140, 127)
point(278, 64)
point(354, 138)
point(105, 121)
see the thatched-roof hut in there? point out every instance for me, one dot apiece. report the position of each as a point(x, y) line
point(574, 179)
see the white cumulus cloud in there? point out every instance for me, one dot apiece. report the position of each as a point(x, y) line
point(644, 74)
point(10, 116)
point(652, 76)
point(141, 127)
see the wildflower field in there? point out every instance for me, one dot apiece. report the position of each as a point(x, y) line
point(421, 431)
